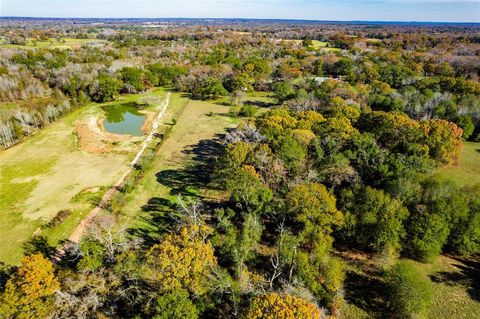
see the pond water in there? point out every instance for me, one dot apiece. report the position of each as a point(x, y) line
point(123, 119)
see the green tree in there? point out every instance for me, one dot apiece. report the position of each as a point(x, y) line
point(410, 292)
point(247, 190)
point(283, 91)
point(93, 254)
point(466, 232)
point(210, 88)
point(175, 305)
point(133, 77)
point(291, 151)
point(429, 233)
point(315, 208)
point(105, 88)
point(378, 220)
point(466, 124)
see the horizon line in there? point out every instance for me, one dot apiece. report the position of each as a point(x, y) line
point(237, 18)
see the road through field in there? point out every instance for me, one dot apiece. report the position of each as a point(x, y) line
point(197, 122)
point(87, 221)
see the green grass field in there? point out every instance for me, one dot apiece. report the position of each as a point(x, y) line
point(177, 166)
point(454, 283)
point(467, 171)
point(65, 43)
point(196, 121)
point(47, 173)
point(316, 44)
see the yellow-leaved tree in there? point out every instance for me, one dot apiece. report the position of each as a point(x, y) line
point(29, 293)
point(275, 306)
point(183, 260)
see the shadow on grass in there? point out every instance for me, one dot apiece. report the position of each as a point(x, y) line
point(259, 103)
point(468, 276)
point(364, 285)
point(39, 244)
point(197, 175)
point(367, 292)
point(160, 215)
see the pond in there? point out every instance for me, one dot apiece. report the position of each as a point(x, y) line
point(123, 119)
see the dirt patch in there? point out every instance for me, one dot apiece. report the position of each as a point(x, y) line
point(147, 124)
point(94, 140)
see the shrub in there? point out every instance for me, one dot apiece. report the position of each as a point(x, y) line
point(409, 291)
point(466, 124)
point(248, 110)
point(60, 217)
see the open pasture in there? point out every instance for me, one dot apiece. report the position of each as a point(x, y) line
point(64, 43)
point(467, 171)
point(52, 171)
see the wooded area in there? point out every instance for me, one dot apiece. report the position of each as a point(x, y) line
point(344, 145)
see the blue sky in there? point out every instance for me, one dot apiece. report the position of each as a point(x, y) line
point(380, 10)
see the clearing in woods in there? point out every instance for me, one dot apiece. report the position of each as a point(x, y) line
point(467, 171)
point(182, 163)
point(64, 43)
point(65, 166)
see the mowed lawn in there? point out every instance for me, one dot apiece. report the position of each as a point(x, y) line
point(467, 171)
point(47, 173)
point(197, 121)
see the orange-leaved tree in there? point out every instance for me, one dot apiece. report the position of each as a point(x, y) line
point(275, 306)
point(29, 293)
point(183, 260)
point(444, 140)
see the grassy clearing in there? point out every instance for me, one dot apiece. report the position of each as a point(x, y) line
point(316, 44)
point(46, 173)
point(455, 285)
point(467, 172)
point(182, 161)
point(65, 43)
point(197, 121)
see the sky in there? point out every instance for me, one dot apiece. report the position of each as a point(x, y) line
point(346, 10)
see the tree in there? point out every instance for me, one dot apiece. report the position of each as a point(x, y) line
point(283, 91)
point(133, 78)
point(378, 220)
point(166, 74)
point(429, 232)
point(444, 140)
point(104, 88)
point(466, 124)
point(235, 154)
point(210, 88)
point(93, 254)
point(246, 189)
point(175, 305)
point(292, 152)
point(183, 260)
point(466, 232)
point(393, 130)
point(29, 293)
point(315, 208)
point(275, 306)
point(410, 292)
